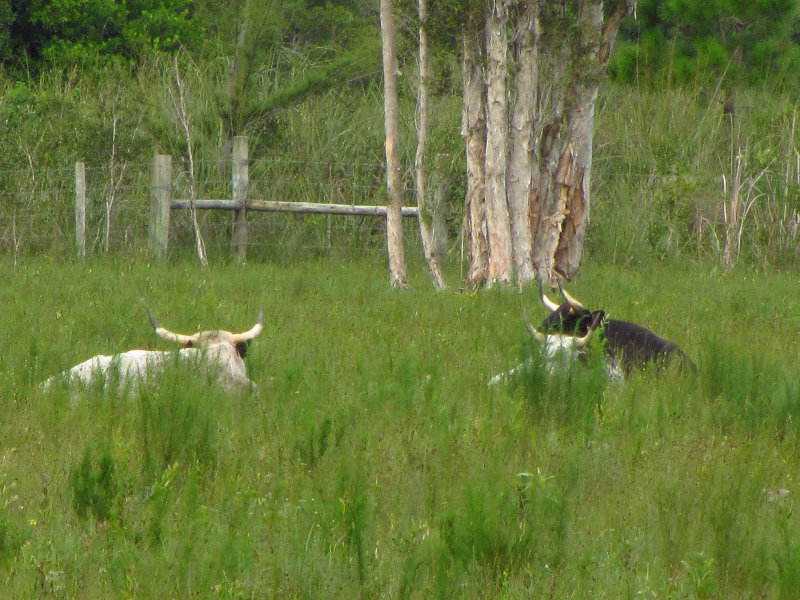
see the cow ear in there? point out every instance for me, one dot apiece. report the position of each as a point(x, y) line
point(241, 349)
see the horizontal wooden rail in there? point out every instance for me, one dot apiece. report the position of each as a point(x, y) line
point(293, 207)
point(241, 203)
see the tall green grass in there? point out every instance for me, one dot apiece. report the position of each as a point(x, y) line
point(374, 460)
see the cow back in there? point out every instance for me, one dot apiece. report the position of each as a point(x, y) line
point(634, 345)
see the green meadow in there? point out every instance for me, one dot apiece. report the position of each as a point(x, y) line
point(374, 460)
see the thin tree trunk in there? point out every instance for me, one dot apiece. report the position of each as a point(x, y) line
point(473, 129)
point(237, 85)
point(425, 216)
point(394, 218)
point(523, 142)
point(113, 184)
point(497, 217)
point(254, 18)
point(183, 119)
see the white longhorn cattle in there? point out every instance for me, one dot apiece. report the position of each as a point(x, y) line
point(219, 354)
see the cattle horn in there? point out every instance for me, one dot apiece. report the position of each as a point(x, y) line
point(250, 334)
point(549, 304)
point(584, 341)
point(573, 303)
point(597, 318)
point(538, 335)
point(170, 336)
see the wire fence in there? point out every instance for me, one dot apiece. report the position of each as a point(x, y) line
point(632, 215)
point(37, 209)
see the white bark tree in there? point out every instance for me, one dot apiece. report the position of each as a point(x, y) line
point(426, 229)
point(473, 129)
point(394, 182)
point(535, 205)
point(498, 223)
point(597, 27)
point(523, 142)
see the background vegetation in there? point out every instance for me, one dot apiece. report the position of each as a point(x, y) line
point(304, 86)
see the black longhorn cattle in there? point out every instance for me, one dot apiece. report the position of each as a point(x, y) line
point(627, 345)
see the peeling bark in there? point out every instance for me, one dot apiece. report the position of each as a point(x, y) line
point(545, 208)
point(530, 217)
point(552, 214)
point(597, 36)
point(564, 216)
point(523, 141)
point(497, 217)
point(473, 129)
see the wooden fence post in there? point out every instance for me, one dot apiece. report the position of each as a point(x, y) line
point(80, 209)
point(240, 183)
point(160, 197)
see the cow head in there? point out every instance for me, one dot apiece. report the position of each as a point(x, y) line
point(570, 317)
point(205, 339)
point(568, 345)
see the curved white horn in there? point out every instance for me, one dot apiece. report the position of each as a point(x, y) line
point(574, 304)
point(539, 336)
point(170, 336)
point(584, 341)
point(549, 304)
point(250, 334)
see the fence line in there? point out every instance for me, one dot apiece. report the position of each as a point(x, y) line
point(39, 208)
point(162, 202)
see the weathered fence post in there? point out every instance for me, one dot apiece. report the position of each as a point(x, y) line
point(241, 183)
point(160, 197)
point(80, 209)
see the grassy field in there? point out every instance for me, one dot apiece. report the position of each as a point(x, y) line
point(374, 461)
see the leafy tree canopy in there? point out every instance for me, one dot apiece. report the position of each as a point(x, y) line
point(88, 31)
point(746, 40)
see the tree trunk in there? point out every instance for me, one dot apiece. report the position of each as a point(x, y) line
point(425, 214)
point(598, 38)
point(563, 195)
point(547, 208)
point(527, 209)
point(237, 87)
point(473, 129)
point(497, 218)
point(577, 186)
point(394, 183)
point(523, 142)
point(183, 119)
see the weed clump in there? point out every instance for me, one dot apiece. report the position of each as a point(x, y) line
point(95, 487)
